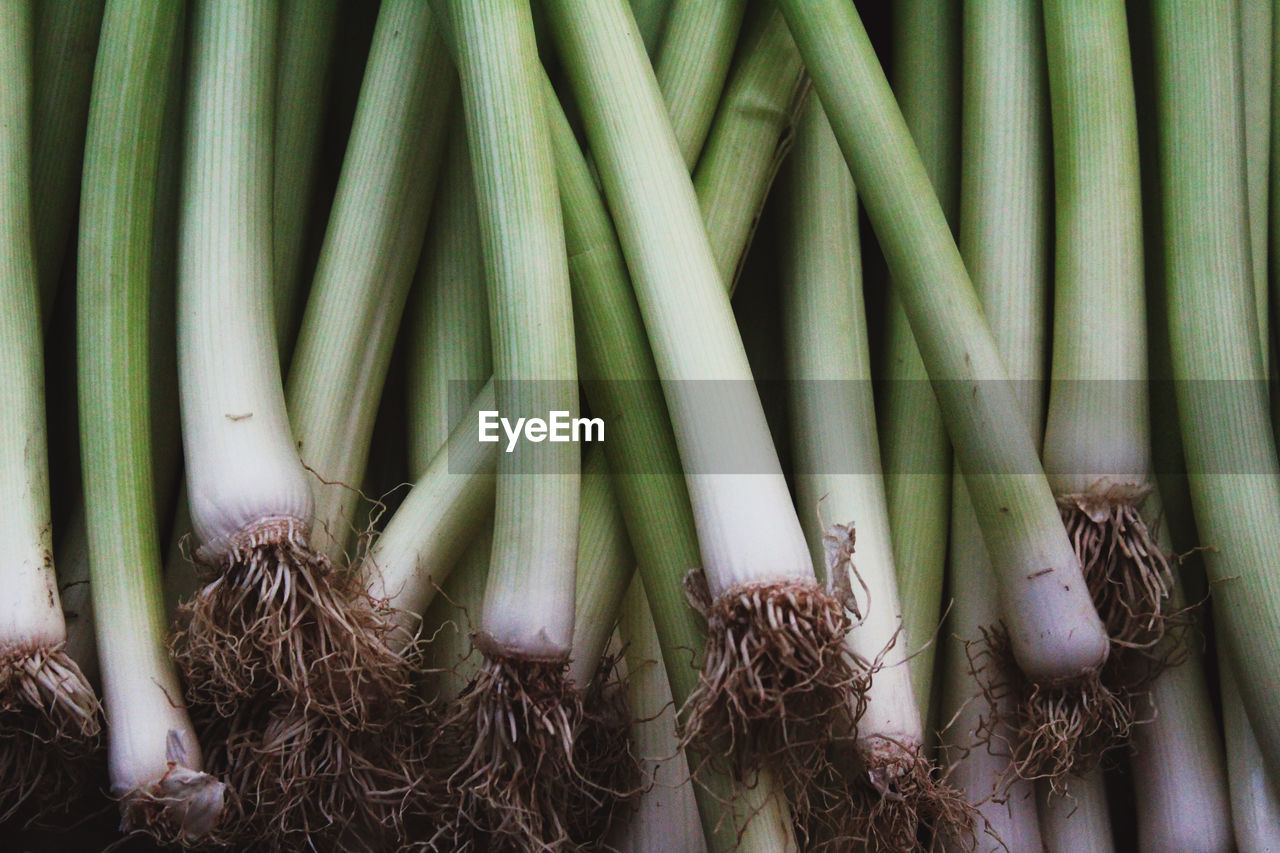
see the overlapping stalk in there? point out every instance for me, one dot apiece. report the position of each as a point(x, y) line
point(49, 716)
point(914, 444)
point(518, 717)
point(154, 758)
point(1004, 238)
point(759, 584)
point(893, 793)
point(66, 33)
point(1055, 635)
point(1097, 436)
point(1217, 369)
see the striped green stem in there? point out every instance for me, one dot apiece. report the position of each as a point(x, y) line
point(1255, 802)
point(50, 716)
point(1230, 452)
point(1056, 637)
point(692, 63)
point(915, 448)
point(839, 486)
point(1004, 238)
point(1256, 63)
point(666, 815)
point(449, 354)
point(66, 42)
point(1098, 435)
point(308, 30)
point(376, 229)
point(1179, 769)
point(154, 758)
point(748, 138)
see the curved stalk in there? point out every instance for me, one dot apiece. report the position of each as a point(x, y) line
point(154, 758)
point(1004, 238)
point(1055, 634)
point(840, 490)
point(914, 443)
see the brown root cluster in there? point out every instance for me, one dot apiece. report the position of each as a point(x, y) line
point(879, 794)
point(302, 690)
point(1129, 576)
point(777, 682)
point(307, 783)
point(50, 728)
point(529, 763)
point(1051, 730)
point(278, 621)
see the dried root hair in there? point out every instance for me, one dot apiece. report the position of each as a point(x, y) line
point(1129, 576)
point(184, 808)
point(307, 783)
point(879, 794)
point(50, 728)
point(1052, 730)
point(777, 682)
point(277, 620)
point(527, 764)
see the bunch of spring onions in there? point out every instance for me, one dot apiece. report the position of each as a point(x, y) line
point(492, 535)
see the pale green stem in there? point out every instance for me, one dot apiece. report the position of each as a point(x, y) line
point(1054, 631)
point(691, 64)
point(376, 229)
point(308, 29)
point(66, 33)
point(1004, 237)
point(153, 750)
point(748, 138)
point(1098, 434)
point(914, 446)
point(1217, 363)
point(1256, 63)
point(1075, 816)
point(528, 610)
point(1255, 798)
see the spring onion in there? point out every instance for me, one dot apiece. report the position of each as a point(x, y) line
point(154, 758)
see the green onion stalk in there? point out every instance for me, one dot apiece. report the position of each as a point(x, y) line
point(1098, 435)
point(914, 445)
point(449, 359)
point(1005, 241)
point(1255, 17)
point(277, 620)
point(1178, 763)
point(308, 31)
point(1074, 814)
point(520, 711)
point(335, 758)
point(1217, 363)
point(422, 541)
point(771, 623)
point(154, 759)
point(1054, 633)
point(1255, 802)
point(66, 42)
point(71, 550)
point(749, 137)
point(892, 789)
point(666, 813)
point(49, 715)
point(691, 64)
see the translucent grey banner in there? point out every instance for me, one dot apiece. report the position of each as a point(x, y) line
point(534, 421)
